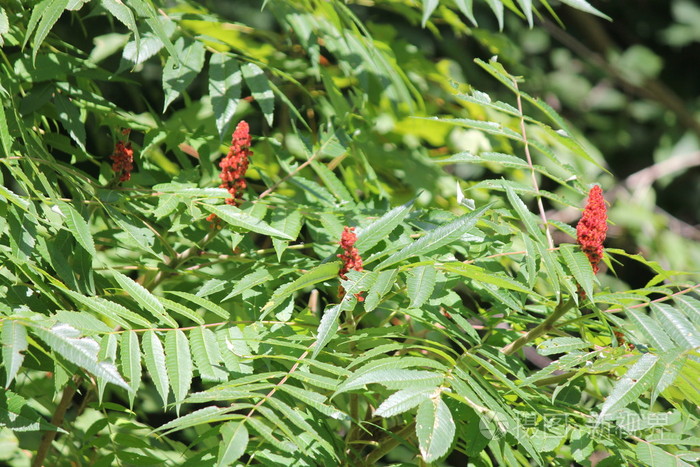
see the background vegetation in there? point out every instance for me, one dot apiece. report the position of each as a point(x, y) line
point(134, 333)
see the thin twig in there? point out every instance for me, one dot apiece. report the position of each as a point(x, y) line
point(535, 185)
point(295, 171)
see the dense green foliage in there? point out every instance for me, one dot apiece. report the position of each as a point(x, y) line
point(136, 332)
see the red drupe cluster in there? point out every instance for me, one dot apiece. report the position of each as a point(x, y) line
point(235, 164)
point(350, 256)
point(123, 160)
point(591, 229)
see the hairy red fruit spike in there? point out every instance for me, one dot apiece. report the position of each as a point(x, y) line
point(591, 229)
point(235, 164)
point(350, 256)
point(123, 160)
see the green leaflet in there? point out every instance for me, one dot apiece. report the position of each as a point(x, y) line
point(78, 227)
point(378, 230)
point(382, 285)
point(234, 442)
point(260, 89)
point(318, 274)
point(14, 344)
point(288, 222)
point(144, 298)
point(479, 274)
point(580, 267)
point(65, 340)
point(225, 82)
point(441, 236)
point(392, 379)
point(404, 400)
point(178, 363)
point(636, 381)
point(211, 414)
point(44, 16)
point(420, 284)
point(237, 218)
point(435, 428)
point(131, 362)
point(203, 302)
point(181, 68)
point(206, 354)
point(154, 357)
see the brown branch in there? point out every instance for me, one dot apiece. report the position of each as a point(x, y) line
point(540, 329)
point(56, 420)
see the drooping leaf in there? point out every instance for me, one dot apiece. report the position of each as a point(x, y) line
point(14, 344)
point(46, 14)
point(580, 267)
point(69, 116)
point(206, 354)
point(225, 81)
point(260, 89)
point(65, 340)
point(289, 222)
point(178, 362)
point(435, 428)
point(182, 68)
